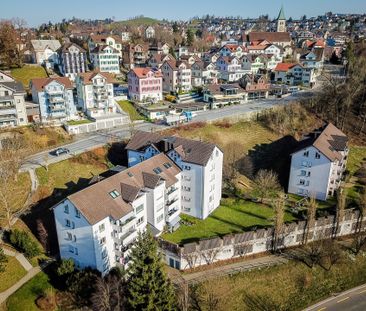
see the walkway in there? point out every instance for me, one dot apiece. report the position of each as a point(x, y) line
point(31, 272)
point(230, 269)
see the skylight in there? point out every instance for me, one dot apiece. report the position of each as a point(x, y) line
point(157, 170)
point(114, 194)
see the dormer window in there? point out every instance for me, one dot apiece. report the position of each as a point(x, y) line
point(114, 194)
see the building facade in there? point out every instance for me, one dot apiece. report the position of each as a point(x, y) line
point(72, 60)
point(12, 104)
point(145, 84)
point(105, 58)
point(44, 52)
point(317, 167)
point(55, 98)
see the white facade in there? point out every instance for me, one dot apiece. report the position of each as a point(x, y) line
point(106, 59)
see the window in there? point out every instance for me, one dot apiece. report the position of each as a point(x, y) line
point(69, 236)
point(77, 213)
point(101, 227)
point(104, 253)
point(309, 174)
point(157, 170)
point(160, 218)
point(76, 251)
point(140, 221)
point(102, 241)
point(302, 181)
point(185, 188)
point(114, 194)
point(303, 173)
point(72, 225)
point(167, 165)
point(68, 223)
point(66, 209)
point(74, 238)
point(186, 209)
point(71, 249)
point(187, 167)
point(317, 155)
point(139, 208)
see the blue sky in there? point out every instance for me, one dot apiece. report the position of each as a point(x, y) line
point(44, 10)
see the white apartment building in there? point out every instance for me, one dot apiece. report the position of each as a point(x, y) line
point(230, 68)
point(95, 94)
point(12, 104)
point(200, 162)
point(105, 58)
point(177, 76)
point(317, 166)
point(204, 73)
point(96, 227)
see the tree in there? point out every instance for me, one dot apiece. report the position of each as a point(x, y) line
point(172, 52)
point(3, 260)
point(148, 287)
point(65, 267)
point(42, 234)
point(341, 205)
point(9, 51)
point(230, 170)
point(190, 37)
point(311, 217)
point(26, 244)
point(266, 184)
point(279, 218)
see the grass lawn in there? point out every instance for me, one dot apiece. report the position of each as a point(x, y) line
point(27, 73)
point(78, 122)
point(292, 286)
point(233, 216)
point(128, 107)
point(14, 271)
point(355, 160)
point(24, 298)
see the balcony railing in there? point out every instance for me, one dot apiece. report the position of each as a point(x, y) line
point(171, 202)
point(54, 100)
point(172, 212)
point(6, 98)
point(8, 112)
point(172, 190)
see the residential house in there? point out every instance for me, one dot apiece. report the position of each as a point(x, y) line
point(232, 50)
point(12, 105)
point(150, 32)
point(105, 58)
point(255, 85)
point(44, 52)
point(97, 226)
point(157, 60)
point(220, 95)
point(95, 94)
point(229, 68)
point(318, 164)
point(177, 76)
point(293, 74)
point(282, 39)
point(200, 162)
point(102, 40)
point(203, 73)
point(254, 63)
point(55, 98)
point(134, 55)
point(72, 60)
point(145, 84)
point(159, 48)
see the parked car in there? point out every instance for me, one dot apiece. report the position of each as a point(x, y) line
point(60, 151)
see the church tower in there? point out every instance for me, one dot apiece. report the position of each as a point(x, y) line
point(281, 21)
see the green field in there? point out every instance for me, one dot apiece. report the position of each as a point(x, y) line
point(78, 122)
point(139, 21)
point(128, 107)
point(27, 73)
point(14, 271)
point(233, 216)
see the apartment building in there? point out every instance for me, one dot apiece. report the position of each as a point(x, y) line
point(44, 52)
point(55, 98)
point(200, 162)
point(230, 68)
point(145, 84)
point(203, 73)
point(134, 55)
point(12, 105)
point(72, 60)
point(294, 74)
point(102, 40)
point(97, 226)
point(105, 58)
point(318, 164)
point(95, 94)
point(177, 76)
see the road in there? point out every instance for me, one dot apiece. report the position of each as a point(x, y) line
point(351, 300)
point(96, 139)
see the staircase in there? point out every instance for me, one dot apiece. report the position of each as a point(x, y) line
point(188, 98)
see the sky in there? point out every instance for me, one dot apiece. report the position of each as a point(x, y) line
point(41, 11)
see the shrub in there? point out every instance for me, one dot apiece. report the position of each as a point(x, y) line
point(65, 267)
point(24, 243)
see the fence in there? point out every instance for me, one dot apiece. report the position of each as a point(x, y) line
point(208, 251)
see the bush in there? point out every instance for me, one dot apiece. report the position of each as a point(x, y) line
point(24, 243)
point(65, 267)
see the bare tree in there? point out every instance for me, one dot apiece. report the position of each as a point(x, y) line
point(230, 169)
point(279, 210)
point(311, 218)
point(42, 234)
point(341, 205)
point(266, 184)
point(191, 259)
point(210, 255)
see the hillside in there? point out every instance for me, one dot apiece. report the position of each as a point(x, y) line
point(138, 21)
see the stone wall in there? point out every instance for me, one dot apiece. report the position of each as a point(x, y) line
point(207, 251)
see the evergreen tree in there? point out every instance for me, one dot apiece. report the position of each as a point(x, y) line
point(148, 287)
point(190, 37)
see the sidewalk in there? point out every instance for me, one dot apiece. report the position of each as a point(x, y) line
point(20, 257)
point(230, 269)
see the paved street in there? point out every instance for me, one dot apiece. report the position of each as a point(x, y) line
point(100, 138)
point(352, 300)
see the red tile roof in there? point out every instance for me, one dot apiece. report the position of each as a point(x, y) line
point(285, 66)
point(141, 73)
point(40, 83)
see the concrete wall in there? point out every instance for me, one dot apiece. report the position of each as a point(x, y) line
point(258, 241)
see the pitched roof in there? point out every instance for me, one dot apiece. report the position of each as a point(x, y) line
point(41, 45)
point(101, 48)
point(329, 140)
point(285, 66)
point(281, 15)
point(95, 202)
point(87, 77)
point(103, 38)
point(269, 36)
point(17, 87)
point(65, 47)
point(143, 71)
point(192, 151)
point(40, 83)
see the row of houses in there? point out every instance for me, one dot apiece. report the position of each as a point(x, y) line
point(168, 176)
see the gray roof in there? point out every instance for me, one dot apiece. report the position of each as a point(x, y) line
point(17, 87)
point(41, 45)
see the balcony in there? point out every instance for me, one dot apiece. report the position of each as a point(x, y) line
point(172, 190)
point(55, 100)
point(128, 237)
point(54, 92)
point(171, 202)
point(7, 111)
point(6, 99)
